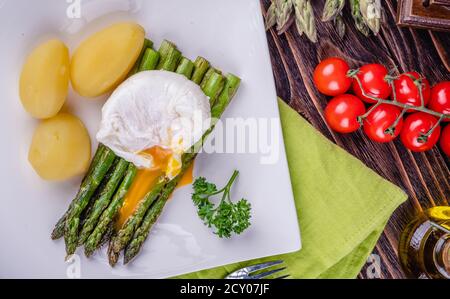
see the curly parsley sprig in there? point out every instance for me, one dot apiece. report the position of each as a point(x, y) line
point(227, 217)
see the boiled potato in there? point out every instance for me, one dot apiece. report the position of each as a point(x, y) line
point(104, 60)
point(61, 148)
point(44, 81)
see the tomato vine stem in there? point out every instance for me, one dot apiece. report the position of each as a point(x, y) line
point(391, 129)
point(405, 107)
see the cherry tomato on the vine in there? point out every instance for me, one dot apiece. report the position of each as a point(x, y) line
point(342, 113)
point(372, 78)
point(445, 140)
point(414, 126)
point(440, 98)
point(407, 92)
point(380, 120)
point(330, 76)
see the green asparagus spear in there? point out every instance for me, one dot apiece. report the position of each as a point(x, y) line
point(149, 61)
point(229, 91)
point(358, 18)
point(58, 231)
point(164, 49)
point(100, 149)
point(214, 86)
point(84, 195)
point(339, 24)
point(201, 67)
point(147, 44)
point(125, 234)
point(172, 59)
point(82, 200)
point(208, 74)
point(305, 19)
point(113, 257)
point(138, 238)
point(283, 9)
point(232, 84)
point(185, 68)
point(109, 214)
point(331, 9)
point(88, 210)
point(108, 235)
point(155, 211)
point(271, 16)
point(104, 199)
point(371, 14)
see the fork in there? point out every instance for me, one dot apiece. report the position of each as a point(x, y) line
point(245, 273)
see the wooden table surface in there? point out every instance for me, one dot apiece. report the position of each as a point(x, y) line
point(423, 176)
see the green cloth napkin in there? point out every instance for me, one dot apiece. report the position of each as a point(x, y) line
point(342, 206)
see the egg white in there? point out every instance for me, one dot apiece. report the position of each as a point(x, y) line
point(154, 108)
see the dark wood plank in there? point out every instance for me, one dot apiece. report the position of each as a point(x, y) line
point(442, 45)
point(424, 176)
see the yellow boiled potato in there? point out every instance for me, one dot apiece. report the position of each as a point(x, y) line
point(44, 81)
point(103, 60)
point(61, 148)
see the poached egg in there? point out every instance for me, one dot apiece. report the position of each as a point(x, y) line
point(152, 118)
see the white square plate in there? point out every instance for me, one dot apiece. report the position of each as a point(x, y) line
point(228, 33)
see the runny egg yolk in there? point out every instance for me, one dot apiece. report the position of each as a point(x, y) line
point(145, 180)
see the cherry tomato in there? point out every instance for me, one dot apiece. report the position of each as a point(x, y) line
point(381, 119)
point(330, 76)
point(440, 98)
point(445, 140)
point(414, 126)
point(373, 83)
point(342, 113)
point(408, 93)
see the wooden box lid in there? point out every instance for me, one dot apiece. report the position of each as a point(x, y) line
point(428, 14)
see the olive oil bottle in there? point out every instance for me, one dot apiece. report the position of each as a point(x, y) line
point(424, 247)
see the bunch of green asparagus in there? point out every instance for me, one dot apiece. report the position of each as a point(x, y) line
point(284, 13)
point(90, 218)
point(366, 15)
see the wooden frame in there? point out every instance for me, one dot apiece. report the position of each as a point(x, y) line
point(440, 2)
point(435, 16)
